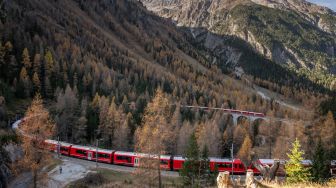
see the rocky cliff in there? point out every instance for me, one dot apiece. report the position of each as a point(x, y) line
point(293, 33)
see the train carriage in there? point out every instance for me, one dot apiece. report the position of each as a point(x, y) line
point(226, 164)
point(90, 153)
point(126, 158)
point(56, 146)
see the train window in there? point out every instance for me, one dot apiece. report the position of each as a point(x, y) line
point(220, 165)
point(103, 155)
point(224, 165)
point(241, 166)
point(124, 158)
point(64, 149)
point(81, 152)
point(164, 162)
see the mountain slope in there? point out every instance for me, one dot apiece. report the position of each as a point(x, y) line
point(293, 33)
point(98, 64)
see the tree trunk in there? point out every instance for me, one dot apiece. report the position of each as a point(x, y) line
point(250, 182)
point(223, 180)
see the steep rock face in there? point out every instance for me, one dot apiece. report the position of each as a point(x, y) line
point(293, 33)
point(5, 172)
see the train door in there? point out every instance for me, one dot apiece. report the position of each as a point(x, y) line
point(136, 161)
point(89, 155)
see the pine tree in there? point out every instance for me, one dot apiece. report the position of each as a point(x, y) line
point(321, 165)
point(296, 172)
point(190, 171)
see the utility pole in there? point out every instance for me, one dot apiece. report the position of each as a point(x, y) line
point(270, 140)
point(232, 159)
point(58, 147)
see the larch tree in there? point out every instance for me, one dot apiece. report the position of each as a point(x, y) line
point(67, 106)
point(121, 134)
point(328, 131)
point(80, 131)
point(183, 137)
point(296, 172)
point(152, 138)
point(211, 137)
point(36, 82)
point(26, 59)
point(49, 63)
point(244, 153)
point(37, 63)
point(36, 128)
point(176, 122)
point(25, 81)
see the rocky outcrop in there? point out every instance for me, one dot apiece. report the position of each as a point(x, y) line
point(215, 17)
point(5, 172)
point(8, 154)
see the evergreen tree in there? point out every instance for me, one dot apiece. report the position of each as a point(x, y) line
point(321, 164)
point(190, 171)
point(207, 178)
point(296, 172)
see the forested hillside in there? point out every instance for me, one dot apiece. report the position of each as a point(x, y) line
point(97, 64)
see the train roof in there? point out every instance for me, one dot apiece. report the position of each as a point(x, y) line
point(270, 161)
point(141, 154)
point(57, 142)
point(179, 158)
point(221, 160)
point(92, 148)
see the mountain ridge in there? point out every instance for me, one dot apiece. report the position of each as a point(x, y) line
point(295, 33)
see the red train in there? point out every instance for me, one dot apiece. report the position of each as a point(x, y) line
point(168, 162)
